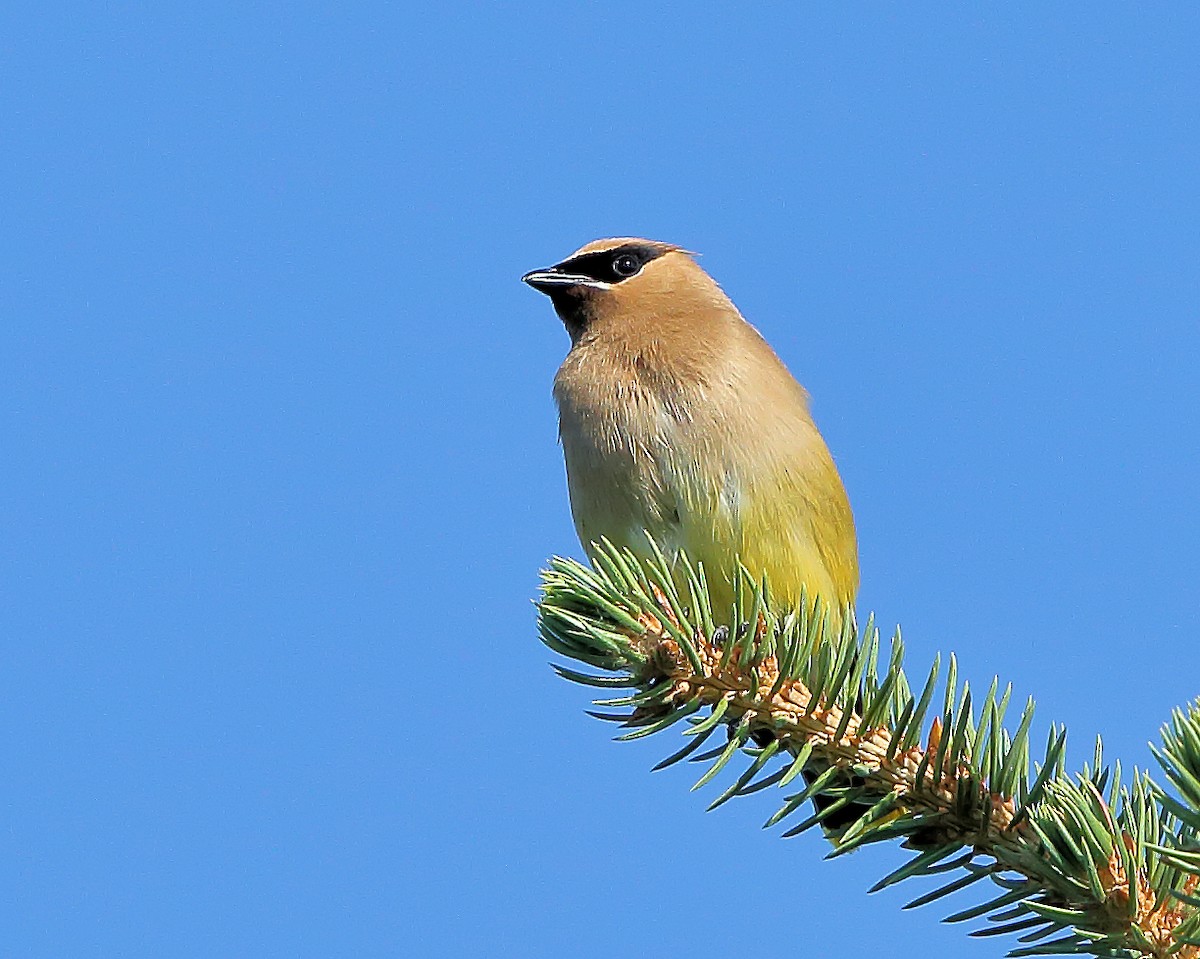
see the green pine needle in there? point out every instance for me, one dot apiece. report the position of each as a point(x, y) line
point(807, 686)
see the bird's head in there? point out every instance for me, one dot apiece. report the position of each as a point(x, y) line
point(624, 279)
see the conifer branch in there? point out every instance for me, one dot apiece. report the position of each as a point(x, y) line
point(1083, 864)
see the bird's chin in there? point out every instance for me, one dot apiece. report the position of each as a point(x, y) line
point(574, 308)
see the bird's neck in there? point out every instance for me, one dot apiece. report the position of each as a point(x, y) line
point(667, 344)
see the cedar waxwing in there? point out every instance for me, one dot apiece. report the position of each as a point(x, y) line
point(676, 418)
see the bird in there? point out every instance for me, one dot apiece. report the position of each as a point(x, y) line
point(678, 422)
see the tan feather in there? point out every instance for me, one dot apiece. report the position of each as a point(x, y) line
point(677, 418)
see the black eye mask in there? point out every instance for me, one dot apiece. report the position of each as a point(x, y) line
point(611, 266)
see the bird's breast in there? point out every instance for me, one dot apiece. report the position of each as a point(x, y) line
point(713, 467)
point(620, 437)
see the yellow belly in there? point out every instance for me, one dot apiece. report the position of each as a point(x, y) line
point(792, 524)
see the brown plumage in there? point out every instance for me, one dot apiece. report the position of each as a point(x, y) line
point(677, 419)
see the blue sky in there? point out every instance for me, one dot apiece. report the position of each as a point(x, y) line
point(280, 465)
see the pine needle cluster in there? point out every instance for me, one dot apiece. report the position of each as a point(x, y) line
point(1084, 864)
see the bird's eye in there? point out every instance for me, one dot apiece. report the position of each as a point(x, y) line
point(626, 265)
